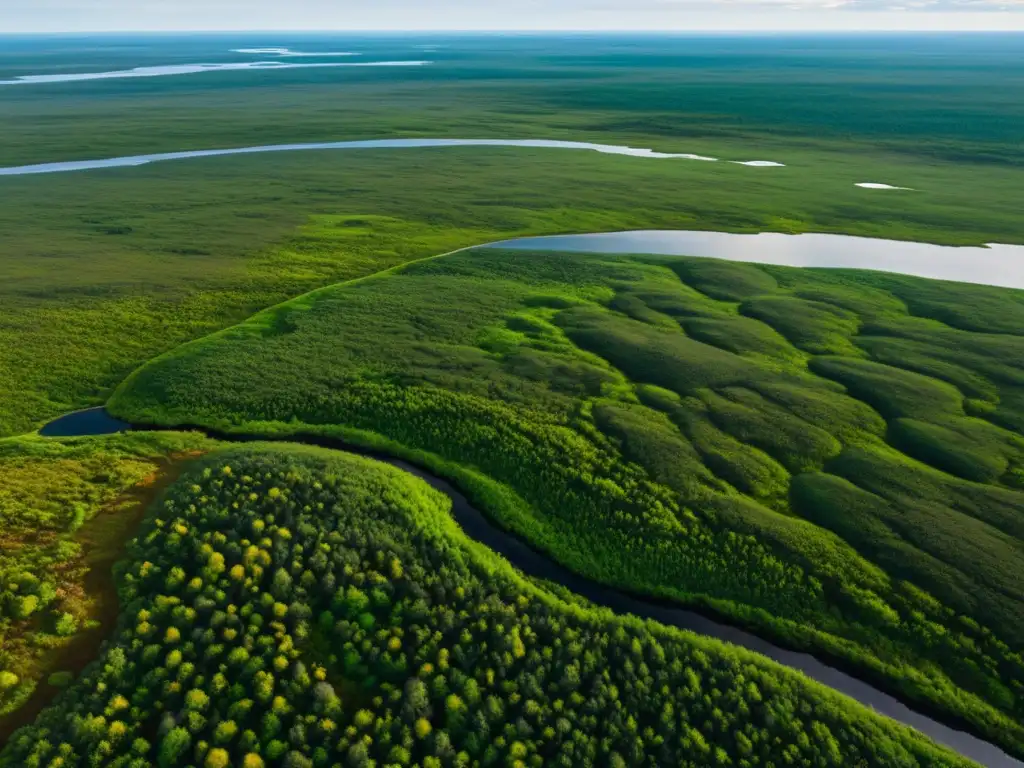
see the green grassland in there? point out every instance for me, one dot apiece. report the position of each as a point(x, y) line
point(298, 607)
point(66, 509)
point(103, 270)
point(831, 456)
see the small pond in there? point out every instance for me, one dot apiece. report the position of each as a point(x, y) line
point(91, 421)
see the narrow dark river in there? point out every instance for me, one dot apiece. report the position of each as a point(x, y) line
point(96, 421)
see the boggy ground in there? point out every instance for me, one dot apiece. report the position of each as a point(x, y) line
point(101, 271)
point(67, 508)
point(299, 607)
point(833, 457)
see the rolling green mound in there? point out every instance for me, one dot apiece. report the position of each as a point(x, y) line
point(300, 607)
point(828, 456)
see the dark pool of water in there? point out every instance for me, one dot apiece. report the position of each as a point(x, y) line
point(1001, 265)
point(92, 421)
point(533, 563)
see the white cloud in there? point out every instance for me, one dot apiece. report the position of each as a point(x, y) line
point(872, 5)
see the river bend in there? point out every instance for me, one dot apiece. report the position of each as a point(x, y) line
point(476, 525)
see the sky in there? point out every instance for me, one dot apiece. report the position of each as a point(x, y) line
point(611, 15)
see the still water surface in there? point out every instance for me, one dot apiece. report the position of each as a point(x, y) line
point(997, 264)
point(134, 160)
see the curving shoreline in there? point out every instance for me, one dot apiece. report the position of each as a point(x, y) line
point(476, 525)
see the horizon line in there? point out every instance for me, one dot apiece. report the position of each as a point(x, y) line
point(525, 32)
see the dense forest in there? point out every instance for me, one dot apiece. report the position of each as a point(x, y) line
point(831, 457)
point(296, 607)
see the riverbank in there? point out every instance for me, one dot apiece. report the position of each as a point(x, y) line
point(531, 562)
point(67, 508)
point(102, 539)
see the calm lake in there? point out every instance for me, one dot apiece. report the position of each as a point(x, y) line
point(997, 264)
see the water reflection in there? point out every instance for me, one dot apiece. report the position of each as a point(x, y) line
point(133, 160)
point(1001, 265)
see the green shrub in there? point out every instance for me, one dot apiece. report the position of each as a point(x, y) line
point(60, 679)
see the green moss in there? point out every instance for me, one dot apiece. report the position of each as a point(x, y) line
point(65, 509)
point(751, 419)
point(969, 448)
point(725, 280)
point(813, 326)
point(894, 392)
point(741, 335)
point(651, 440)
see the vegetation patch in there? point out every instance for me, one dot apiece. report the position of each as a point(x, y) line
point(645, 458)
point(66, 509)
point(207, 243)
point(299, 607)
point(833, 458)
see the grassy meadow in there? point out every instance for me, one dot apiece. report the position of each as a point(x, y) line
point(297, 607)
point(103, 270)
point(833, 457)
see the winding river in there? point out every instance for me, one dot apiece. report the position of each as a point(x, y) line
point(97, 421)
point(135, 160)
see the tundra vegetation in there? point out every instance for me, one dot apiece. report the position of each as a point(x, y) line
point(830, 456)
point(67, 507)
point(297, 607)
point(102, 270)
